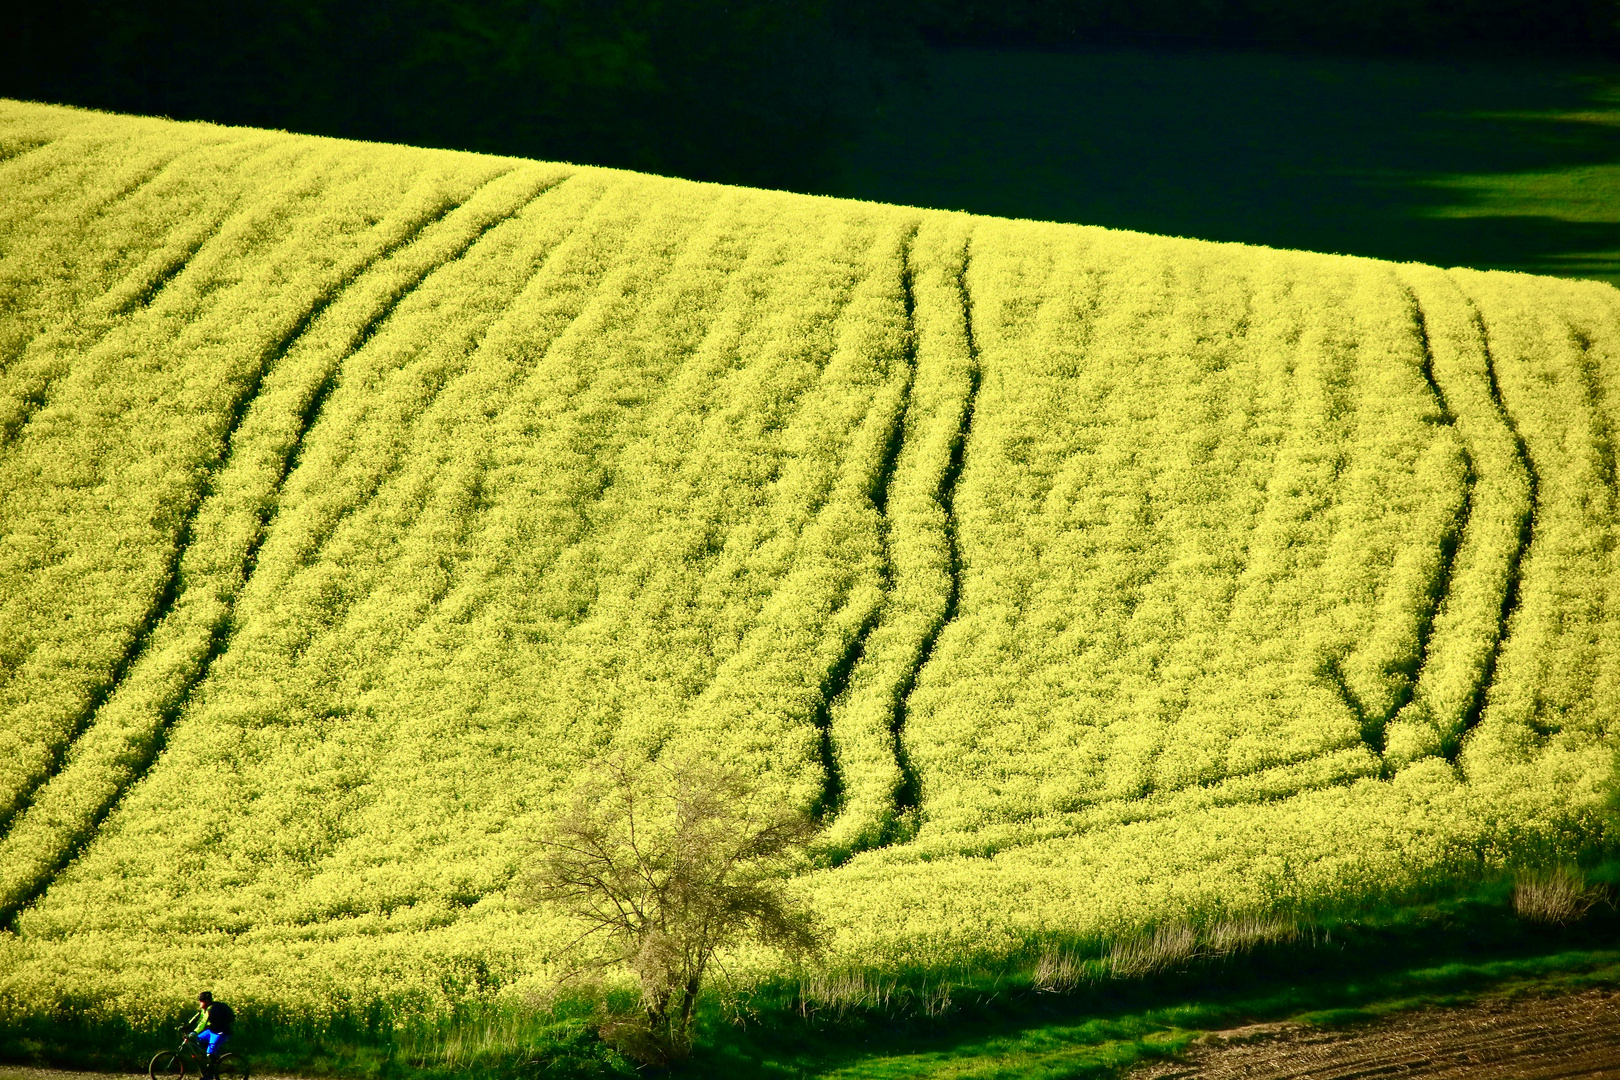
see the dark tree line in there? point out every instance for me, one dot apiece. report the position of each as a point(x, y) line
point(746, 91)
point(1382, 26)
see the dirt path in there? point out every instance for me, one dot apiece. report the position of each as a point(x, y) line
point(25, 1072)
point(1527, 1039)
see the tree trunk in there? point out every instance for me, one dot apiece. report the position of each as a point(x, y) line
point(688, 1003)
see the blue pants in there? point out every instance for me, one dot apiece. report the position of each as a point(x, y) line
point(211, 1041)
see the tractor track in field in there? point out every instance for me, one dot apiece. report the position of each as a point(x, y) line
point(1527, 528)
point(1597, 401)
point(909, 795)
point(147, 293)
point(138, 289)
point(323, 390)
point(1372, 725)
point(22, 148)
point(169, 594)
point(908, 791)
point(1543, 1038)
point(833, 686)
point(1451, 540)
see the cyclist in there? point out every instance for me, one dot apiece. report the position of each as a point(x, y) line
point(214, 1021)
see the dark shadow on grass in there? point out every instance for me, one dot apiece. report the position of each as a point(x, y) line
point(1448, 952)
point(1337, 154)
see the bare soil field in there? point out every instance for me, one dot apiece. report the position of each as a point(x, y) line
point(1523, 1039)
point(26, 1072)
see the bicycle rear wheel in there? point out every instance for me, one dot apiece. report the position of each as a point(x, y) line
point(232, 1067)
point(167, 1065)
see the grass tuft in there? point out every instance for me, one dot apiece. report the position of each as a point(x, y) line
point(1560, 896)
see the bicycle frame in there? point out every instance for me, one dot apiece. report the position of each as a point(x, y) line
point(172, 1064)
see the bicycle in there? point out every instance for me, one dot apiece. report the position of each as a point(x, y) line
point(171, 1064)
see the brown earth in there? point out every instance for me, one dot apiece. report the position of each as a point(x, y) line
point(1576, 1035)
point(27, 1072)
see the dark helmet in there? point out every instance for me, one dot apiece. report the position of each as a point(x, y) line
point(206, 998)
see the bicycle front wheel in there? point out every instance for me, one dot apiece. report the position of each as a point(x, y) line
point(232, 1067)
point(168, 1065)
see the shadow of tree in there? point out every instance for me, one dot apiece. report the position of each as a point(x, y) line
point(1508, 164)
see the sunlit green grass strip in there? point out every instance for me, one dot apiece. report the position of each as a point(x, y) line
point(931, 1022)
point(1061, 1052)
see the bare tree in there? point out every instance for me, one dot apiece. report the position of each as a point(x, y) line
point(665, 864)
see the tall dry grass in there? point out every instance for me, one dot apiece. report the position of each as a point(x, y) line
point(1556, 896)
point(1060, 968)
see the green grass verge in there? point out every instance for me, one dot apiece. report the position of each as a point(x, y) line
point(1444, 953)
point(982, 1024)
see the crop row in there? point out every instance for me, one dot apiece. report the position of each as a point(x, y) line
point(1203, 511)
point(115, 420)
point(629, 504)
point(1501, 754)
point(218, 537)
point(1553, 349)
point(82, 244)
point(354, 497)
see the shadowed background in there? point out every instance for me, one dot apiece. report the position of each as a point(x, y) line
point(1472, 132)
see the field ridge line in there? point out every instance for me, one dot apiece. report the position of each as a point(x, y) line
point(135, 292)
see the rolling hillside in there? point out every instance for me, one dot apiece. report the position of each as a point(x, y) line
point(1082, 582)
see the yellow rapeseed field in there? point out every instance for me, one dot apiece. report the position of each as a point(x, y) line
point(1081, 582)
